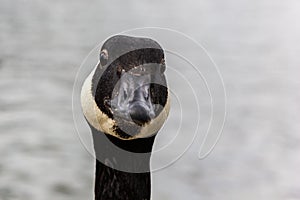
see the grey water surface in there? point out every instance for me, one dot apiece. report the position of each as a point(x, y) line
point(255, 45)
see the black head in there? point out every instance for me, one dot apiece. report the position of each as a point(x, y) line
point(129, 88)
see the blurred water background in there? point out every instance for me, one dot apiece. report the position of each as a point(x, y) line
point(254, 43)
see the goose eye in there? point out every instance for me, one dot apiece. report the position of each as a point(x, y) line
point(103, 57)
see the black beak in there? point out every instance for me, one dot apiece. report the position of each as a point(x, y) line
point(139, 114)
point(132, 100)
point(139, 108)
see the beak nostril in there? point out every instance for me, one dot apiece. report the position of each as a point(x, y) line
point(125, 94)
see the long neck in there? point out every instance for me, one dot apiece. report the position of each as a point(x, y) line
point(112, 182)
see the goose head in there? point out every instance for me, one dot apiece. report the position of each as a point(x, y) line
point(126, 95)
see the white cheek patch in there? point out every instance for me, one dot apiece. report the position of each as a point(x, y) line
point(103, 123)
point(91, 111)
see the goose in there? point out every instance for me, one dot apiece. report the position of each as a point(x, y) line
point(125, 101)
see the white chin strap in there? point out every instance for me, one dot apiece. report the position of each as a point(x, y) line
point(103, 123)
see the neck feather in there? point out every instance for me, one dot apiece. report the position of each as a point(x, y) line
point(113, 183)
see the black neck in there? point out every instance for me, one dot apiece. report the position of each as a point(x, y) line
point(122, 176)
